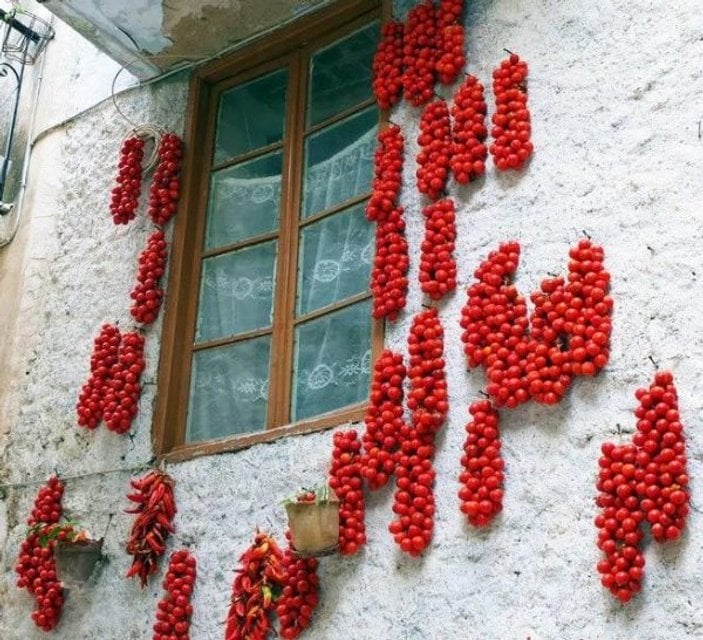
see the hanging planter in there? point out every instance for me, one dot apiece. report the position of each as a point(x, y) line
point(75, 552)
point(76, 561)
point(313, 520)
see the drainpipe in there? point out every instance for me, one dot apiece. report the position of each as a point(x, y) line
point(4, 68)
point(27, 151)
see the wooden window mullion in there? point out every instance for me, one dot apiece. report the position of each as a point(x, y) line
point(286, 268)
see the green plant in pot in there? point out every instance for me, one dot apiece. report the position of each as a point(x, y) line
point(313, 521)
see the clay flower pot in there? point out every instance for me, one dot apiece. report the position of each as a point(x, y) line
point(314, 522)
point(75, 561)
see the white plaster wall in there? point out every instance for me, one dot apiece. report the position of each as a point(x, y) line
point(614, 94)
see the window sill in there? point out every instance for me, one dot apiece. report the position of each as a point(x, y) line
point(352, 414)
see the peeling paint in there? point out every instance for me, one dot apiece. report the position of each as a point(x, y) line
point(201, 29)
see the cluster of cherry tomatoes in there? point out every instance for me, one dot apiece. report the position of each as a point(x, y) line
point(174, 609)
point(36, 567)
point(414, 501)
point(642, 481)
point(299, 596)
point(481, 493)
point(620, 521)
point(125, 195)
point(389, 282)
point(428, 385)
point(435, 155)
point(451, 58)
point(662, 476)
point(420, 53)
point(121, 400)
point(469, 132)
point(166, 185)
point(437, 266)
point(409, 57)
point(104, 357)
point(147, 294)
point(346, 481)
point(511, 130)
point(388, 170)
point(387, 66)
point(383, 419)
point(569, 328)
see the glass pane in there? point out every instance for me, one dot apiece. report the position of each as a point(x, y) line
point(244, 200)
point(229, 390)
point(332, 361)
point(339, 161)
point(335, 259)
point(251, 115)
point(236, 292)
point(340, 74)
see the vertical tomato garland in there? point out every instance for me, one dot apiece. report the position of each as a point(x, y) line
point(383, 419)
point(121, 400)
point(435, 155)
point(619, 522)
point(662, 476)
point(166, 184)
point(389, 283)
point(414, 501)
point(91, 401)
point(36, 566)
point(147, 294)
point(437, 273)
point(451, 57)
point(388, 173)
point(156, 508)
point(259, 576)
point(469, 132)
point(387, 66)
point(125, 195)
point(481, 493)
point(174, 609)
point(299, 596)
point(420, 52)
point(571, 325)
point(345, 479)
point(511, 131)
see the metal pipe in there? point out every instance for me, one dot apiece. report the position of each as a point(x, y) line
point(9, 18)
point(27, 154)
point(11, 134)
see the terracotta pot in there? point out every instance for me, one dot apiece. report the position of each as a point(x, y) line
point(75, 561)
point(314, 526)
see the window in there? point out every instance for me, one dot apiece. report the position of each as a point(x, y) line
point(268, 328)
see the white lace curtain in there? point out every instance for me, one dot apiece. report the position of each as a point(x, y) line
point(229, 385)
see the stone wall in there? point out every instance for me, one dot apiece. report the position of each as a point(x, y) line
point(613, 89)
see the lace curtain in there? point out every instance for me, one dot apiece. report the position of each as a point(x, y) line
point(229, 385)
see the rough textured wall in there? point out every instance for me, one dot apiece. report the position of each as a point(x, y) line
point(613, 92)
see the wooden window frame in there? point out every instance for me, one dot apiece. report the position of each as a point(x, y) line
point(305, 35)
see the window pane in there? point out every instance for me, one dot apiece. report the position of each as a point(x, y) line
point(236, 292)
point(335, 259)
point(229, 390)
point(251, 115)
point(244, 200)
point(332, 361)
point(340, 74)
point(339, 161)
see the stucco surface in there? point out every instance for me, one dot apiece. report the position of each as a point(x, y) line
point(614, 98)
